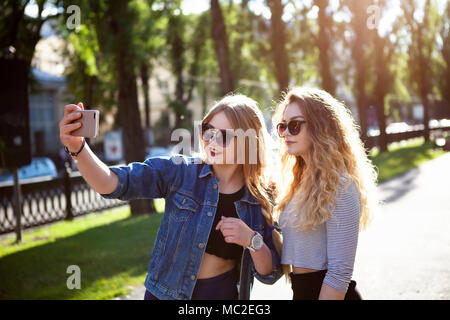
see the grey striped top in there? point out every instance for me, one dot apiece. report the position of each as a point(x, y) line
point(331, 246)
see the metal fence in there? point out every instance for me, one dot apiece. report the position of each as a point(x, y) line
point(401, 136)
point(49, 201)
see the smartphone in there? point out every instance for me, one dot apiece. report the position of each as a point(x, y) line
point(90, 122)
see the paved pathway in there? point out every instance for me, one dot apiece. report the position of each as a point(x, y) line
point(405, 252)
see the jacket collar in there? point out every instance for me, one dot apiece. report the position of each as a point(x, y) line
point(248, 197)
point(206, 170)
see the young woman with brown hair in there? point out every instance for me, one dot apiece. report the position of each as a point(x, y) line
point(216, 208)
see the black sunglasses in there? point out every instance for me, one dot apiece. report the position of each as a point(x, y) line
point(222, 136)
point(294, 127)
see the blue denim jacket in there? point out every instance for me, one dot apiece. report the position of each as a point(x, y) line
point(191, 191)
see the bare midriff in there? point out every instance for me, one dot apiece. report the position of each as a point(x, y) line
point(300, 270)
point(213, 266)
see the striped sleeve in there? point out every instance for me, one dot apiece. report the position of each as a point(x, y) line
point(342, 239)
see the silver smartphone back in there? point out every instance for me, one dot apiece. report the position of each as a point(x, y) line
point(90, 123)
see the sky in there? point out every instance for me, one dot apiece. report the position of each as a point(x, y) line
point(259, 7)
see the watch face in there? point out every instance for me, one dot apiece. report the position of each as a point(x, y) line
point(257, 241)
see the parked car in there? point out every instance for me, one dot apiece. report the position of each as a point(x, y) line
point(373, 131)
point(39, 167)
point(444, 123)
point(433, 123)
point(397, 127)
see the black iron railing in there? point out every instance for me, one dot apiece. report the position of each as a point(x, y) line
point(49, 201)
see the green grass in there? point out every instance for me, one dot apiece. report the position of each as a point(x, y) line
point(402, 157)
point(112, 250)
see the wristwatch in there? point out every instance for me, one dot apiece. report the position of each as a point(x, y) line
point(256, 243)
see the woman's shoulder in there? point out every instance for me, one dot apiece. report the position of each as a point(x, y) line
point(348, 193)
point(347, 184)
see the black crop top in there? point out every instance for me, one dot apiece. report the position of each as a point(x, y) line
point(216, 242)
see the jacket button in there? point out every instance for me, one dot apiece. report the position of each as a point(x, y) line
point(201, 245)
point(210, 214)
point(215, 186)
point(193, 277)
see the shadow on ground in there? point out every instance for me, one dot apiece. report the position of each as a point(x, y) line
point(105, 252)
point(403, 165)
point(403, 184)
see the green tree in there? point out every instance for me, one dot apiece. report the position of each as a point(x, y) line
point(305, 46)
point(149, 43)
point(444, 84)
point(421, 48)
point(361, 61)
point(385, 69)
point(324, 44)
point(185, 38)
point(220, 36)
point(21, 31)
point(278, 42)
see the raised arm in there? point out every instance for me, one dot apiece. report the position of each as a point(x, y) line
point(137, 180)
point(94, 171)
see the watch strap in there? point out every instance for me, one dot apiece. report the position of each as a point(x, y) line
point(251, 248)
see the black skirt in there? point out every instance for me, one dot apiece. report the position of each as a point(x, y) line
point(306, 286)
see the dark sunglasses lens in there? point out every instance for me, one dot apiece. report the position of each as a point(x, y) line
point(223, 138)
point(294, 127)
point(207, 133)
point(281, 127)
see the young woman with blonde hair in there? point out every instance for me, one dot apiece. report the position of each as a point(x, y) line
point(215, 208)
point(325, 194)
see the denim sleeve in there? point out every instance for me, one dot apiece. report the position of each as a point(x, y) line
point(276, 260)
point(140, 180)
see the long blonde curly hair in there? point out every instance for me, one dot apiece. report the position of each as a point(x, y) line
point(336, 150)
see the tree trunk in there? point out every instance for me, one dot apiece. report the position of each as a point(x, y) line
point(358, 23)
point(130, 120)
point(360, 81)
point(146, 88)
point(177, 61)
point(278, 40)
point(219, 34)
point(424, 84)
point(426, 117)
point(420, 52)
point(381, 117)
point(323, 43)
point(381, 89)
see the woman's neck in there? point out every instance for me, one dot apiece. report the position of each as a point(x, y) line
point(231, 177)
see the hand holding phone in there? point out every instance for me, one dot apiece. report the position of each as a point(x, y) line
point(73, 121)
